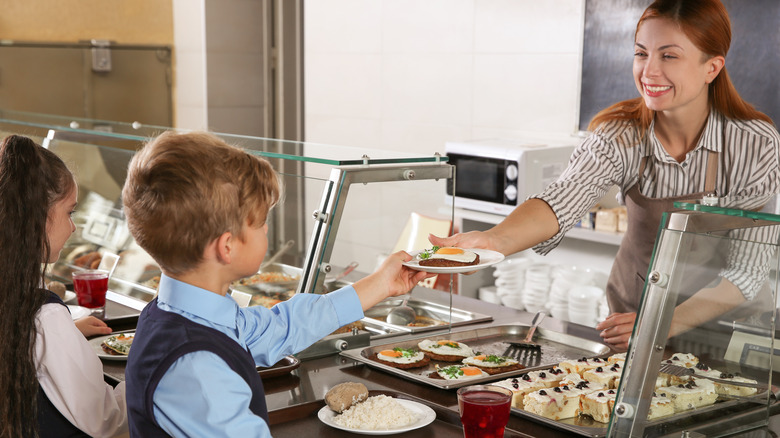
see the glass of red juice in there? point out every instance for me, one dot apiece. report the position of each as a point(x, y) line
point(484, 410)
point(90, 286)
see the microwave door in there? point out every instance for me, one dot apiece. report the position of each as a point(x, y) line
point(478, 178)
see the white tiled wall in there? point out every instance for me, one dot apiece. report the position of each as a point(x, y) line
point(410, 75)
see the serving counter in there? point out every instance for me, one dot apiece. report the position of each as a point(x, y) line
point(295, 397)
point(347, 206)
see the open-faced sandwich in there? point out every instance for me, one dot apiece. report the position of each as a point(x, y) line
point(447, 256)
point(457, 372)
point(445, 350)
point(118, 345)
point(402, 358)
point(493, 364)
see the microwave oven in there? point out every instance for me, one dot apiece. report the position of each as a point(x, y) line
point(495, 175)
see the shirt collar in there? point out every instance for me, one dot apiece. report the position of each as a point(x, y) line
point(196, 301)
point(710, 137)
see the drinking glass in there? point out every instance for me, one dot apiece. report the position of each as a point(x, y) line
point(90, 286)
point(484, 410)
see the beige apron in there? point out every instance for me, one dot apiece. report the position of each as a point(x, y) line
point(627, 278)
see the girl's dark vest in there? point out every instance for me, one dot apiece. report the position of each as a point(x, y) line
point(51, 423)
point(160, 339)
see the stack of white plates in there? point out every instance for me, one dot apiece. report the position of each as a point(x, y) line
point(510, 280)
point(488, 294)
point(584, 303)
point(564, 278)
point(537, 287)
point(603, 308)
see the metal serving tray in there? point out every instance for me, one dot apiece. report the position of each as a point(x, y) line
point(555, 348)
point(439, 315)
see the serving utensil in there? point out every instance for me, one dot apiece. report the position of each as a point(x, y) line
point(403, 314)
point(679, 371)
point(528, 341)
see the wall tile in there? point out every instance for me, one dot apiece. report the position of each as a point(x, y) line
point(430, 26)
point(528, 92)
point(519, 26)
point(345, 131)
point(343, 26)
point(347, 85)
point(427, 88)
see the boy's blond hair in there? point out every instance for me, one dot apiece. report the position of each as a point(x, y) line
point(183, 190)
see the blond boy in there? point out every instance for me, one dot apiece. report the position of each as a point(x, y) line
point(199, 206)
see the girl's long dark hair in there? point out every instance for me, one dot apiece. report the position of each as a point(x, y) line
point(32, 179)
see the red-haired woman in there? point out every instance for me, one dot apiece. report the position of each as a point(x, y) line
point(688, 134)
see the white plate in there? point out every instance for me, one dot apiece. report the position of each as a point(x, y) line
point(70, 297)
point(486, 258)
point(427, 415)
point(95, 343)
point(77, 312)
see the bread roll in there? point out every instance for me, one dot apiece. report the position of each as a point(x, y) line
point(58, 288)
point(342, 396)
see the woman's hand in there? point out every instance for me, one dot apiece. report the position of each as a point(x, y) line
point(91, 326)
point(471, 239)
point(616, 330)
point(391, 279)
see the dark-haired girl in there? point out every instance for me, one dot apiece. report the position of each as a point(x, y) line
point(51, 380)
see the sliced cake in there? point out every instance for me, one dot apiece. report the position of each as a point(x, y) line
point(520, 388)
point(581, 365)
point(604, 376)
point(660, 406)
point(693, 394)
point(555, 403)
point(598, 404)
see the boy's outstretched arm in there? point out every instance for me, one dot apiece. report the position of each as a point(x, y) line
point(391, 279)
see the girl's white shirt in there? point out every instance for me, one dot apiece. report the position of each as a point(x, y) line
point(71, 375)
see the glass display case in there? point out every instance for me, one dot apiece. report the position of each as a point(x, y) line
point(342, 206)
point(706, 327)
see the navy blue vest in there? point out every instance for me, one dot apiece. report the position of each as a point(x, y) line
point(51, 423)
point(160, 339)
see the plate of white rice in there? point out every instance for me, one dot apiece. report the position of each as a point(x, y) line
point(379, 415)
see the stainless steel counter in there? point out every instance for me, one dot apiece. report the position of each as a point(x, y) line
point(293, 398)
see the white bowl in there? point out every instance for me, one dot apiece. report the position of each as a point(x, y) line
point(489, 294)
point(515, 302)
point(586, 294)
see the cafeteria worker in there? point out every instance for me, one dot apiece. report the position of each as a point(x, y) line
point(688, 134)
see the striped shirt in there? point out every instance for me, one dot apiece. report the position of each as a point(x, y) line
point(748, 169)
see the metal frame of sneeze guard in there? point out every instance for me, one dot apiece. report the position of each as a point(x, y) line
point(658, 304)
point(331, 207)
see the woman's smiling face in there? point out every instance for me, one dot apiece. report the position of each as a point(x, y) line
point(670, 72)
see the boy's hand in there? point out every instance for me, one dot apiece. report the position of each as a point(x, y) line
point(391, 279)
point(91, 326)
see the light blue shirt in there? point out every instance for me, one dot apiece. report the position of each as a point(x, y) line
point(199, 395)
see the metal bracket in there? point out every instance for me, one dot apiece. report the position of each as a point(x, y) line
point(101, 55)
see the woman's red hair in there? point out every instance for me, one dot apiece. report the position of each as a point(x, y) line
point(706, 23)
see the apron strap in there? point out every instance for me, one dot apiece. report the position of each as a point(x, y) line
point(712, 172)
